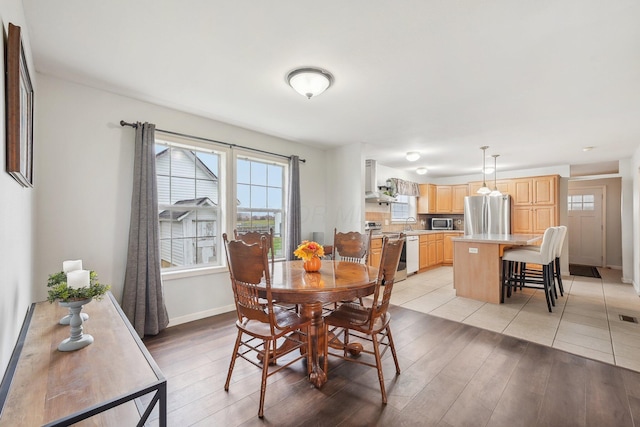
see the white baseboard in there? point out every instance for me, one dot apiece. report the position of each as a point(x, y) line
point(200, 315)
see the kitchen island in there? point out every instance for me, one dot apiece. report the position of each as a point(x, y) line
point(477, 263)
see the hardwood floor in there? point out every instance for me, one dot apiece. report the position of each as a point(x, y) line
point(452, 375)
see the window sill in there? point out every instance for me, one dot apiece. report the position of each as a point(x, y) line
point(192, 272)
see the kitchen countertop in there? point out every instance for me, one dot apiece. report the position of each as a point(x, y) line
point(503, 239)
point(415, 232)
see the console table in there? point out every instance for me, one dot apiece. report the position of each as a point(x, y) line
point(43, 386)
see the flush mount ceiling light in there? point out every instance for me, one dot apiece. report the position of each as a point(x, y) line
point(412, 156)
point(484, 189)
point(309, 81)
point(587, 148)
point(421, 171)
point(495, 192)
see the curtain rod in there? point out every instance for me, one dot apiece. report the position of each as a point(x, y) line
point(133, 125)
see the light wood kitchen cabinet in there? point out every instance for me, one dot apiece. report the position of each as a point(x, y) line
point(436, 249)
point(431, 250)
point(424, 252)
point(447, 244)
point(444, 199)
point(539, 190)
point(505, 186)
point(427, 199)
point(535, 204)
point(439, 248)
point(533, 219)
point(459, 193)
point(375, 252)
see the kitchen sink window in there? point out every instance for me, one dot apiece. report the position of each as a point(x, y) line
point(403, 208)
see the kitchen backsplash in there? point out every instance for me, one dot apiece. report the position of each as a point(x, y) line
point(423, 221)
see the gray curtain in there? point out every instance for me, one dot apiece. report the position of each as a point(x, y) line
point(143, 300)
point(294, 228)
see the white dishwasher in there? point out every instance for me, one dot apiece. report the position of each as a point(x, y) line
point(413, 254)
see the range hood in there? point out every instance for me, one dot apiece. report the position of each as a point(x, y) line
point(371, 192)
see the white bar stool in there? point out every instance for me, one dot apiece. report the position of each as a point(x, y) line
point(515, 273)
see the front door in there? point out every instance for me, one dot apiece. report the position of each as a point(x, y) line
point(586, 227)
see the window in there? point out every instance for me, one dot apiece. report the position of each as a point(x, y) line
point(581, 202)
point(403, 208)
point(189, 205)
point(261, 198)
point(193, 179)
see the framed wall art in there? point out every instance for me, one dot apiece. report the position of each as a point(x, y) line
point(19, 111)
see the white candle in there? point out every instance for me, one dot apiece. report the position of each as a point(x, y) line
point(73, 265)
point(78, 279)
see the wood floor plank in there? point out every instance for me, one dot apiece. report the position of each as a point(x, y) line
point(564, 401)
point(606, 396)
point(520, 402)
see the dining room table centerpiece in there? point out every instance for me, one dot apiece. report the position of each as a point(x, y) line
point(310, 252)
point(73, 288)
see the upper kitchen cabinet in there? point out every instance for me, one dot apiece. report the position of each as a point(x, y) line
point(540, 190)
point(535, 204)
point(444, 200)
point(459, 193)
point(427, 199)
point(506, 186)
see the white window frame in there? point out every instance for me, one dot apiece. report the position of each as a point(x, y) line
point(412, 210)
point(224, 181)
point(268, 159)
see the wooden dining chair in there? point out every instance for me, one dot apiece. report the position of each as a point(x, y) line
point(254, 237)
point(351, 246)
point(367, 325)
point(260, 322)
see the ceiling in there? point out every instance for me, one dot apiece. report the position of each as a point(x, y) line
point(536, 81)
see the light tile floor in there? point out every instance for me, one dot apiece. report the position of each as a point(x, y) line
point(585, 321)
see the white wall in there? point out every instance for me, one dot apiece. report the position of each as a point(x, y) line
point(16, 215)
point(633, 194)
point(345, 190)
point(84, 166)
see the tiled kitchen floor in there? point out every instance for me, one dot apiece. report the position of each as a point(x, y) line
point(585, 321)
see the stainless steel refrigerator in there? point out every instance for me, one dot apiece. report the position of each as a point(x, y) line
point(487, 214)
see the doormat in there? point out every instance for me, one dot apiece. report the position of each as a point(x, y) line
point(583, 270)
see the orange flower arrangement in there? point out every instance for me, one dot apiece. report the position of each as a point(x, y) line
point(307, 250)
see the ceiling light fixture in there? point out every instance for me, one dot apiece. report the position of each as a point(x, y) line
point(495, 192)
point(587, 148)
point(484, 189)
point(421, 171)
point(309, 81)
point(412, 156)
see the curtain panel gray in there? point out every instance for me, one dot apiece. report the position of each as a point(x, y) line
point(405, 188)
point(143, 300)
point(294, 227)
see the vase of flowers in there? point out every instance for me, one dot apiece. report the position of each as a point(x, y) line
point(310, 252)
point(74, 288)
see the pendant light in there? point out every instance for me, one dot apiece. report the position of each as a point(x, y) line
point(495, 192)
point(484, 190)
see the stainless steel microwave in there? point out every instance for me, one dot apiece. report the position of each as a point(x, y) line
point(442, 223)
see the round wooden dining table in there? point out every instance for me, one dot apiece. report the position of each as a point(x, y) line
point(335, 281)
